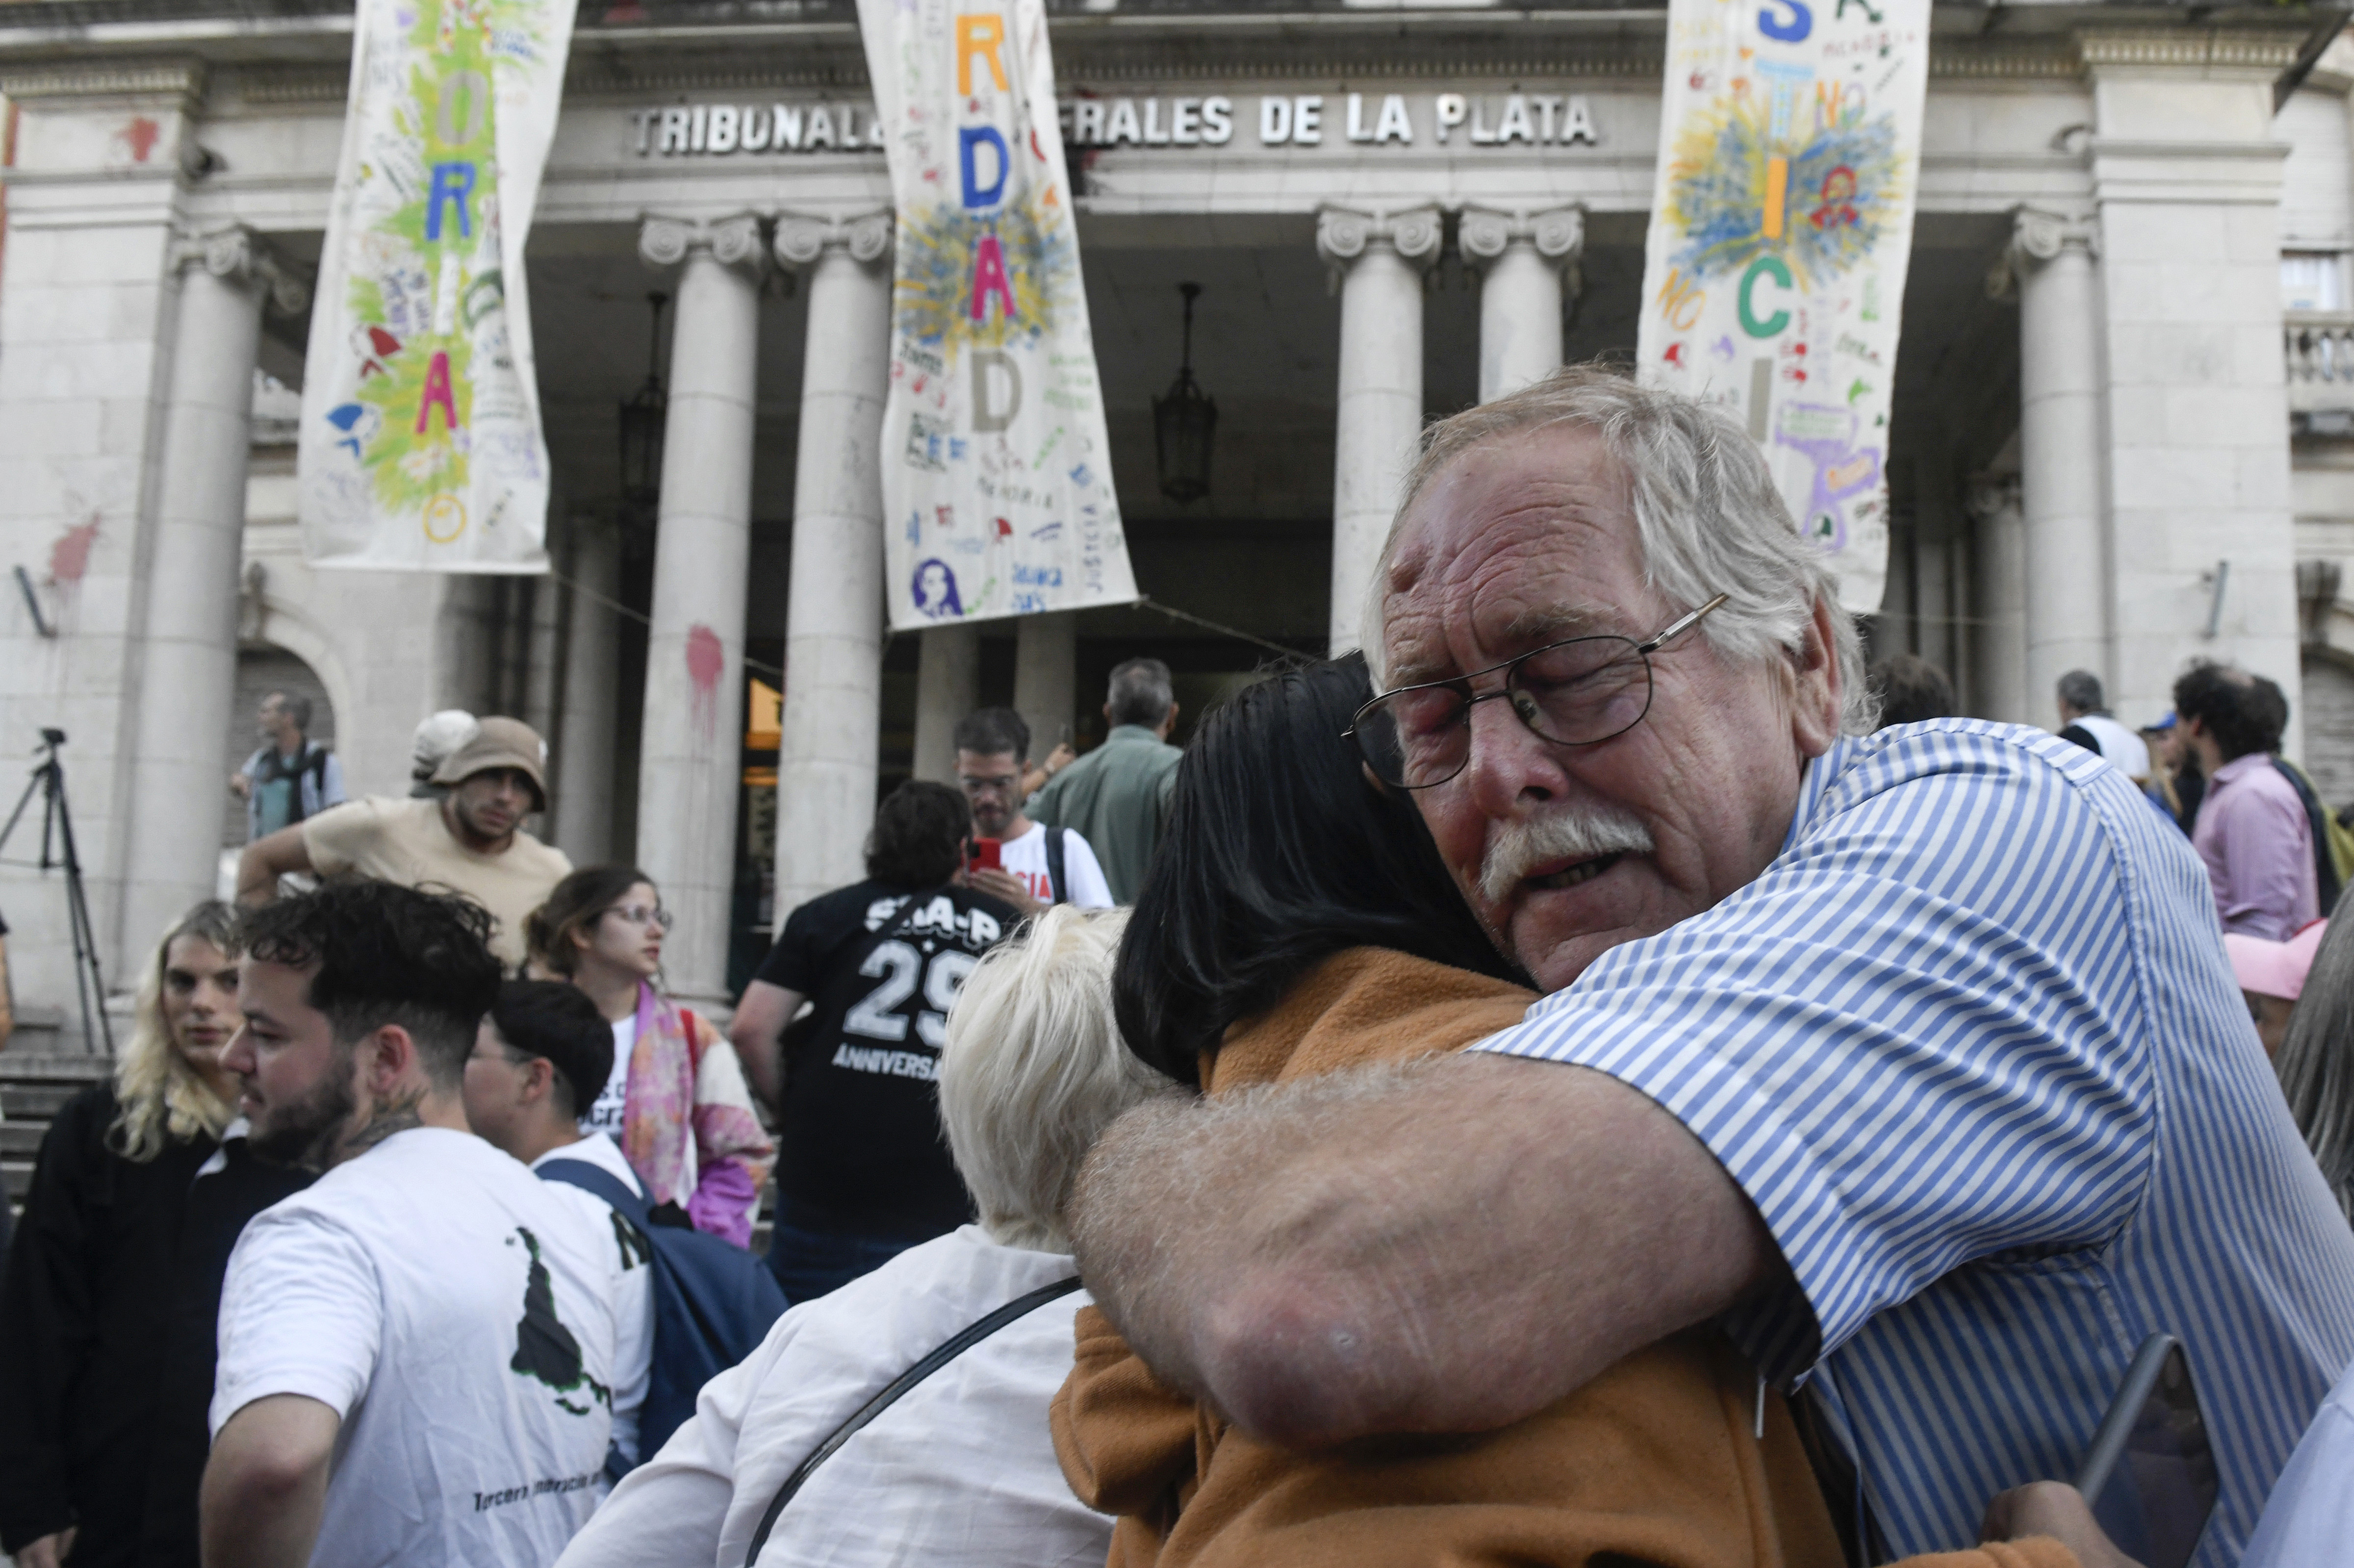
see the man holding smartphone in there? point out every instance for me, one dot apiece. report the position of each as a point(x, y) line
point(1037, 866)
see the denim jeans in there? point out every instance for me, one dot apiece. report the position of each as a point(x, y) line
point(808, 1264)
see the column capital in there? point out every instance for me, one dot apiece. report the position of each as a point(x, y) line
point(2038, 237)
point(801, 237)
point(1343, 234)
point(1991, 495)
point(1557, 234)
point(238, 255)
point(731, 241)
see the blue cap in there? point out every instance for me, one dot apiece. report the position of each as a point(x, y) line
point(2165, 720)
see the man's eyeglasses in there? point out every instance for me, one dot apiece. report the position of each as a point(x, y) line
point(639, 914)
point(1003, 783)
point(1578, 692)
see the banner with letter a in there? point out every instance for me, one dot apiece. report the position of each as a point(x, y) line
point(1781, 227)
point(997, 488)
point(420, 444)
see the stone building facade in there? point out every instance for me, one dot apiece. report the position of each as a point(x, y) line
point(2124, 418)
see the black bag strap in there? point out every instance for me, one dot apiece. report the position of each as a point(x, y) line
point(1056, 886)
point(1020, 1305)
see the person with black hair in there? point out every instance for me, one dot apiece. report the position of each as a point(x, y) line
point(427, 1295)
point(863, 1175)
point(1038, 866)
point(1912, 690)
point(2253, 830)
point(538, 1058)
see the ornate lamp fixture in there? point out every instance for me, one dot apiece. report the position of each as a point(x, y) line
point(643, 415)
point(1184, 422)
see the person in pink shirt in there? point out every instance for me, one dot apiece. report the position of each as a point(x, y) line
point(2252, 828)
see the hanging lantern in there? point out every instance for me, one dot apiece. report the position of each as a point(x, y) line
point(1184, 422)
point(643, 415)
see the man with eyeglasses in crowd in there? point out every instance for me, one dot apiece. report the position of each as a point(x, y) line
point(470, 838)
point(1038, 867)
point(1909, 1058)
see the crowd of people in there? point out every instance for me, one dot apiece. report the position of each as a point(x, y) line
point(1711, 1107)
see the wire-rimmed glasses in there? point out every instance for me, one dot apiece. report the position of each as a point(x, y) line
point(639, 914)
point(1581, 691)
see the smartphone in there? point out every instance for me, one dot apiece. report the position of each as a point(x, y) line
point(2150, 1475)
point(984, 856)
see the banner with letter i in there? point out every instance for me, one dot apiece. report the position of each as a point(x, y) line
point(1781, 227)
point(997, 488)
point(420, 444)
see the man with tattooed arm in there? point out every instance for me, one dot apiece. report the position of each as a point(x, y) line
point(417, 1353)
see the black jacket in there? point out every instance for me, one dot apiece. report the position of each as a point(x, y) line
point(106, 1338)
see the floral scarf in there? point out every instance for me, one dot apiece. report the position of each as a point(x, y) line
point(687, 1124)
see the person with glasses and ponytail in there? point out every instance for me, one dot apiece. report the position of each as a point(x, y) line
point(676, 1101)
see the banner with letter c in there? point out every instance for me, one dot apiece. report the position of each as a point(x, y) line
point(997, 485)
point(420, 445)
point(1781, 229)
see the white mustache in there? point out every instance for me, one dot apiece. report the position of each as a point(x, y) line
point(1574, 832)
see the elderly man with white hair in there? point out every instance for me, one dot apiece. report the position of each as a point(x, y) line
point(1910, 1056)
point(958, 1470)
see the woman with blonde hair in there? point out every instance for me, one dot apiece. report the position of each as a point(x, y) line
point(958, 1470)
point(676, 1102)
point(113, 1280)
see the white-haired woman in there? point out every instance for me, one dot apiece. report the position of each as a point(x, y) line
point(958, 1472)
point(113, 1279)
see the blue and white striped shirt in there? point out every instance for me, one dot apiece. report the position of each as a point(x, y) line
point(1971, 1045)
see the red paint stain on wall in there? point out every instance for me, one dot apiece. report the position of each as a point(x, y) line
point(70, 557)
point(141, 136)
point(706, 661)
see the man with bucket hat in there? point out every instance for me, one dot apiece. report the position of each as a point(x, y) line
point(471, 840)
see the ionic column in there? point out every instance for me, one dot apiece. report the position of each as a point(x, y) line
point(181, 760)
point(1378, 262)
point(2001, 639)
point(691, 755)
point(1047, 678)
point(584, 768)
point(1521, 261)
point(833, 616)
point(948, 687)
point(2060, 456)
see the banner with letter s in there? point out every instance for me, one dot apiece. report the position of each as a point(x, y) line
point(1781, 228)
point(997, 486)
point(420, 445)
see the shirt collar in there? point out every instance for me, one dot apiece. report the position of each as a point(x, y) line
point(1135, 732)
point(2240, 766)
point(1813, 780)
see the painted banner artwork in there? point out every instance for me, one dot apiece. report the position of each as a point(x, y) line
point(1781, 227)
point(420, 444)
point(997, 486)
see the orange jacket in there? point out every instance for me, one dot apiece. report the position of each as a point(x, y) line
point(1656, 1461)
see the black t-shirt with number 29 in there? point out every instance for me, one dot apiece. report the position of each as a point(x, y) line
point(861, 1149)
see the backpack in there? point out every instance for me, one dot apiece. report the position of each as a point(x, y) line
point(2333, 844)
point(713, 1303)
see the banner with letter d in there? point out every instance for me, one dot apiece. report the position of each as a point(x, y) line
point(997, 487)
point(1781, 227)
point(420, 444)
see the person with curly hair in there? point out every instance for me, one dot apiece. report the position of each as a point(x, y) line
point(675, 1099)
point(106, 1315)
point(2251, 830)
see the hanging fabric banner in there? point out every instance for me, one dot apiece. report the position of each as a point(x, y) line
point(1781, 227)
point(420, 444)
point(997, 487)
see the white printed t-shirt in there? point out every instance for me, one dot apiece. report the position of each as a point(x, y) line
point(605, 1116)
point(1083, 877)
point(632, 1279)
point(452, 1307)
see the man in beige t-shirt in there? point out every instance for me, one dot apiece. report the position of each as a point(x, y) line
point(469, 842)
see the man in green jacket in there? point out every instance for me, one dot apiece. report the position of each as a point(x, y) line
point(1117, 795)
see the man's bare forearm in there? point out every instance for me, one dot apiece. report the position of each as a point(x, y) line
point(1449, 1247)
point(265, 1484)
point(267, 859)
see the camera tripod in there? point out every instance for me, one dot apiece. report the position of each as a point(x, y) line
point(58, 852)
